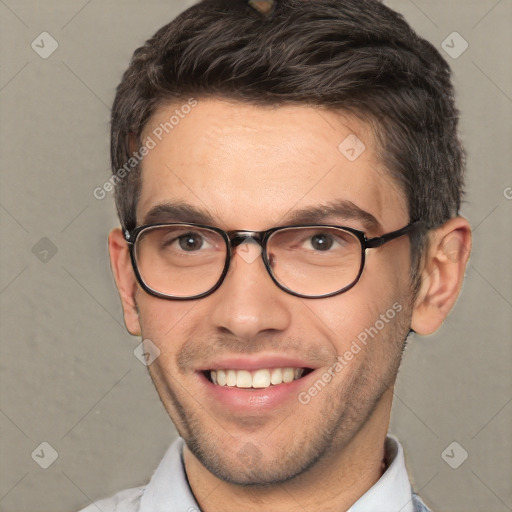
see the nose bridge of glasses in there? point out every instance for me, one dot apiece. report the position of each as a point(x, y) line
point(239, 237)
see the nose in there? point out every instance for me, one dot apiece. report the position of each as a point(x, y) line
point(248, 302)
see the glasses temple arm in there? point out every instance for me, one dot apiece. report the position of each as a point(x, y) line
point(381, 240)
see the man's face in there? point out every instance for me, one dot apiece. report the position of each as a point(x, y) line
point(254, 168)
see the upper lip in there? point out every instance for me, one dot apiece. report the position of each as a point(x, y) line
point(257, 362)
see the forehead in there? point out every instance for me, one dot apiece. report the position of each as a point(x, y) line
point(250, 167)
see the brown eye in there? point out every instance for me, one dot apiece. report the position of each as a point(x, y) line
point(190, 242)
point(321, 242)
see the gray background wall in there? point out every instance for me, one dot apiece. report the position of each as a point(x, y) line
point(68, 374)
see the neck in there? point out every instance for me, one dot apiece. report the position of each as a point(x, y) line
point(334, 484)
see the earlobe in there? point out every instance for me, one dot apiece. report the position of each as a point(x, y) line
point(442, 274)
point(124, 276)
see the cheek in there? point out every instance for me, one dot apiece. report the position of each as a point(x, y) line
point(374, 305)
point(348, 319)
point(166, 323)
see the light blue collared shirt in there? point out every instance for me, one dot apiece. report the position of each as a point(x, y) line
point(168, 489)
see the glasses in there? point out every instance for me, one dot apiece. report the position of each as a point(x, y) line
point(189, 261)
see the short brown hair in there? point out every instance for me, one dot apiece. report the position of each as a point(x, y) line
point(356, 56)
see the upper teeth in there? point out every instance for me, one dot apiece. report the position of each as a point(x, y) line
point(255, 379)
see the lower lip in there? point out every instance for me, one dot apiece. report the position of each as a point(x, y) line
point(252, 399)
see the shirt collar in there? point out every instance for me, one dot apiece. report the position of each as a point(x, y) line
point(169, 491)
point(392, 492)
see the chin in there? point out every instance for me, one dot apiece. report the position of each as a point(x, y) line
point(249, 466)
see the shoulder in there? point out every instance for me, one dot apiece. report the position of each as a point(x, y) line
point(168, 484)
point(419, 506)
point(124, 501)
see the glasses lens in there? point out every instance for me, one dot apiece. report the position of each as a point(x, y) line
point(315, 260)
point(180, 260)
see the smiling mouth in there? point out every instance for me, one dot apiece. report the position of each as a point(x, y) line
point(256, 379)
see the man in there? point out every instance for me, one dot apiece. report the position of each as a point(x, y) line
point(288, 180)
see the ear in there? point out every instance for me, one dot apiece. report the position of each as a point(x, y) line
point(442, 273)
point(124, 276)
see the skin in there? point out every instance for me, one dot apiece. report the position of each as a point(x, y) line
point(248, 167)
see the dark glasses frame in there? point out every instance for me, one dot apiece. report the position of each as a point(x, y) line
point(237, 237)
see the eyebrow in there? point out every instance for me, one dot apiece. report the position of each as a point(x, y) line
point(177, 212)
point(338, 209)
point(330, 212)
